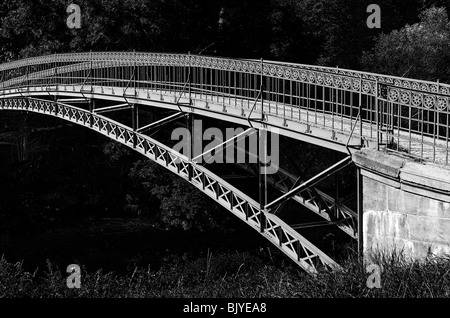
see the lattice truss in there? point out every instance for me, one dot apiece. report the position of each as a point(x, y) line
point(289, 241)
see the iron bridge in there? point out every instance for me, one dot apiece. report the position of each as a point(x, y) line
point(337, 109)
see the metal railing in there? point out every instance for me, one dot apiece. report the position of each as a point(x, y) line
point(396, 114)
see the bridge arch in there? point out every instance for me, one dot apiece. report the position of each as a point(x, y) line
point(290, 242)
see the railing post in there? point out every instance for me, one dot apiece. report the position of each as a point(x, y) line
point(360, 111)
point(189, 78)
point(55, 72)
point(27, 103)
point(91, 69)
point(337, 181)
point(377, 121)
point(190, 121)
point(134, 72)
point(91, 112)
point(134, 118)
point(436, 122)
point(261, 91)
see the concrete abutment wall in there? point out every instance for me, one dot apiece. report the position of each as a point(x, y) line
point(406, 205)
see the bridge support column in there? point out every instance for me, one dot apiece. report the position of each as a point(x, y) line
point(190, 126)
point(360, 210)
point(91, 111)
point(405, 205)
point(262, 179)
point(135, 122)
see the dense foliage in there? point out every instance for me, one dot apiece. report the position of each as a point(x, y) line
point(421, 50)
point(234, 275)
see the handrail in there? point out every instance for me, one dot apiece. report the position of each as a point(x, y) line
point(215, 62)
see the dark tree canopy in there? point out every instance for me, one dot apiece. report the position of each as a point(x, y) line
point(421, 50)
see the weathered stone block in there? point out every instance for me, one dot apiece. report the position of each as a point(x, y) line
point(426, 176)
point(380, 162)
point(386, 224)
point(374, 195)
point(409, 249)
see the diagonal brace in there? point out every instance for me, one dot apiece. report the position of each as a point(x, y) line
point(311, 182)
point(112, 108)
point(161, 122)
point(220, 146)
point(296, 183)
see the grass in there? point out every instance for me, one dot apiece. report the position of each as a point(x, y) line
point(235, 275)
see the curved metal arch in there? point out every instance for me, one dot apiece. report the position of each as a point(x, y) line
point(290, 242)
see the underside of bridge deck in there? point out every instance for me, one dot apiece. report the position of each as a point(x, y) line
point(289, 209)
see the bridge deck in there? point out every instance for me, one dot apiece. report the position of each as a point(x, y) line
point(330, 127)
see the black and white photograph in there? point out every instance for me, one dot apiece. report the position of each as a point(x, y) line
point(219, 157)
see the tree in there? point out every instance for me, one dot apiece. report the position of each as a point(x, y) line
point(340, 26)
point(176, 203)
point(421, 50)
point(38, 27)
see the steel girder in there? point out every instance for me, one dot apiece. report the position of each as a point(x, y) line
point(111, 108)
point(311, 198)
point(161, 122)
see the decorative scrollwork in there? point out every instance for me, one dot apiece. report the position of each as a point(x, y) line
point(382, 90)
point(434, 88)
point(346, 83)
point(303, 76)
point(287, 73)
point(258, 68)
point(393, 94)
point(320, 78)
point(312, 77)
point(366, 88)
point(356, 83)
point(416, 99)
point(405, 97)
point(442, 103)
point(429, 101)
point(238, 66)
point(337, 81)
point(328, 80)
point(444, 90)
point(280, 71)
point(424, 87)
